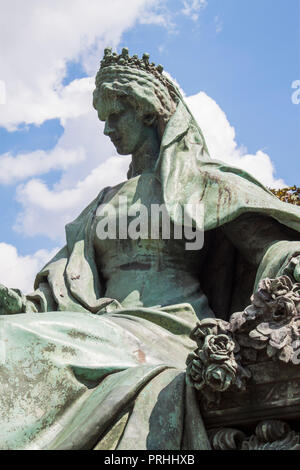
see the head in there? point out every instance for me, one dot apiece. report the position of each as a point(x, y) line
point(127, 123)
point(133, 100)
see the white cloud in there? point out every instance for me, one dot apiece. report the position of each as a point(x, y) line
point(220, 139)
point(191, 8)
point(13, 169)
point(68, 152)
point(18, 271)
point(38, 38)
point(159, 15)
point(89, 163)
point(34, 54)
point(2, 92)
point(46, 211)
point(218, 24)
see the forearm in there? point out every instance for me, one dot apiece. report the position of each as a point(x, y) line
point(13, 301)
point(278, 261)
point(253, 235)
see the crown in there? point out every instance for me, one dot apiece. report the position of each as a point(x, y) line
point(112, 59)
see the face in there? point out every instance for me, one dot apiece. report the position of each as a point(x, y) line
point(123, 124)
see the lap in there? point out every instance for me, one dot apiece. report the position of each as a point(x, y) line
point(50, 363)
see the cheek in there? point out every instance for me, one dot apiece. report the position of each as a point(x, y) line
point(129, 127)
point(136, 127)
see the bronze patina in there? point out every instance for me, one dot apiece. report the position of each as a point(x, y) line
point(95, 357)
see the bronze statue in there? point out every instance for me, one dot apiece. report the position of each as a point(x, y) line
point(95, 356)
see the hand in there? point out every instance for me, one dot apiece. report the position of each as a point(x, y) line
point(11, 301)
point(107, 305)
point(293, 269)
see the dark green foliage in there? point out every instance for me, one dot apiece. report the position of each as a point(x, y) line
point(290, 195)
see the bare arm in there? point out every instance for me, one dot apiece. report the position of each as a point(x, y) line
point(12, 301)
point(254, 234)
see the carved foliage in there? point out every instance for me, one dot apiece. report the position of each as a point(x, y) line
point(271, 324)
point(215, 366)
point(268, 435)
point(269, 329)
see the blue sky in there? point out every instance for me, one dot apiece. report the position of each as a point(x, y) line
point(247, 67)
point(242, 55)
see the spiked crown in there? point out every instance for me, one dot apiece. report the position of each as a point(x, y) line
point(112, 59)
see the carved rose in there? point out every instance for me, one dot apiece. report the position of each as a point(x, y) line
point(296, 292)
point(194, 371)
point(213, 367)
point(284, 309)
point(271, 323)
point(268, 329)
point(277, 297)
point(280, 286)
point(218, 347)
point(208, 326)
point(278, 340)
point(219, 377)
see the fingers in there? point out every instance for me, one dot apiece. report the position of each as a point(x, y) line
point(10, 301)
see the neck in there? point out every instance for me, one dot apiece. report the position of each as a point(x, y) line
point(144, 159)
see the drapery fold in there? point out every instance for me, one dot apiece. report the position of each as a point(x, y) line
point(187, 175)
point(67, 377)
point(70, 373)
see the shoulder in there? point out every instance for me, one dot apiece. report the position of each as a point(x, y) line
point(88, 211)
point(123, 188)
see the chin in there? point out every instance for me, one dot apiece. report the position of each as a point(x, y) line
point(123, 151)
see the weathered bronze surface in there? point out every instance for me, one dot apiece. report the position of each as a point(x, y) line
point(95, 357)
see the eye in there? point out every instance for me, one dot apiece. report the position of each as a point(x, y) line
point(115, 116)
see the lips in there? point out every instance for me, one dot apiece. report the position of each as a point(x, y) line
point(115, 140)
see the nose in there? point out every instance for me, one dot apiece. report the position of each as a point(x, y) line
point(108, 129)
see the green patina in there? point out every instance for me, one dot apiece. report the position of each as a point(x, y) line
point(107, 327)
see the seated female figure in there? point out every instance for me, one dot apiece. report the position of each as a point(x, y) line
point(95, 356)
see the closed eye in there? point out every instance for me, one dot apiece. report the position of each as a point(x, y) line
point(115, 116)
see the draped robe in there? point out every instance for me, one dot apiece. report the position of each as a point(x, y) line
point(84, 373)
